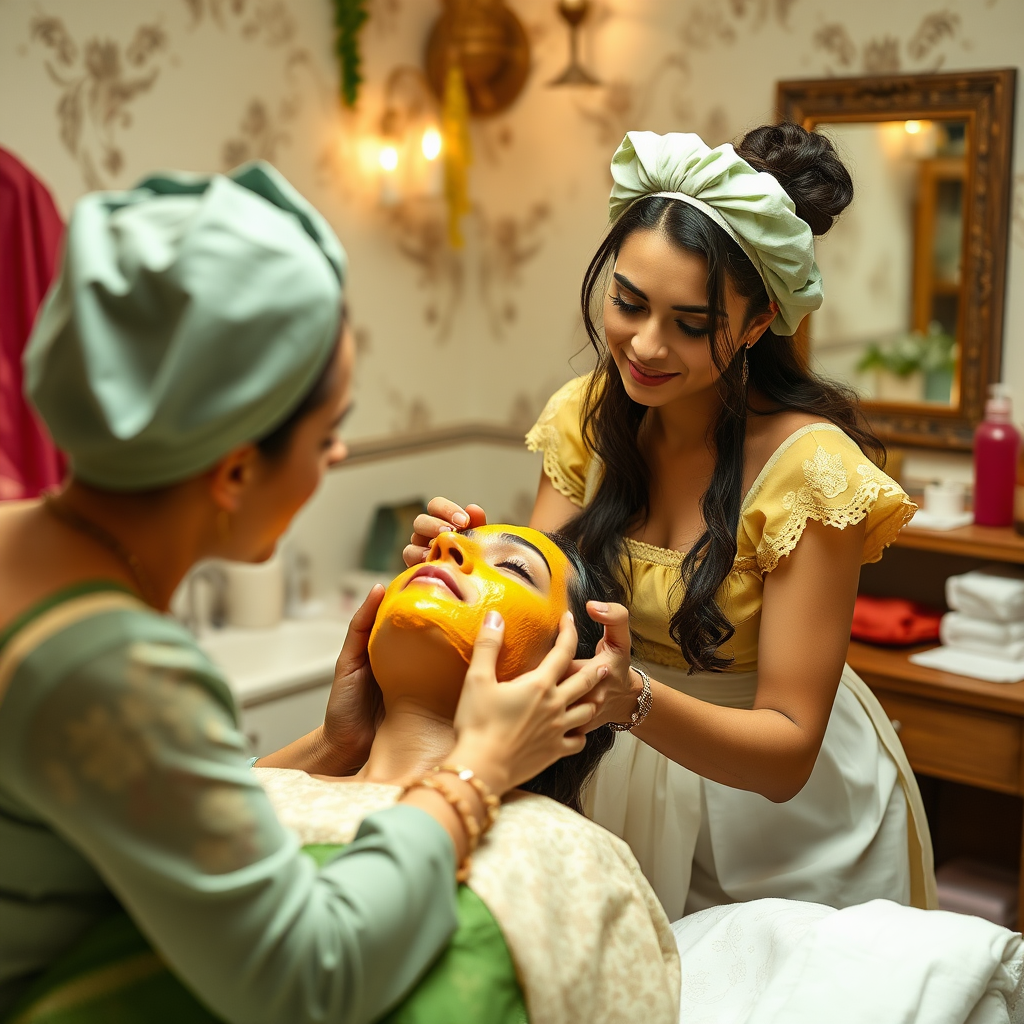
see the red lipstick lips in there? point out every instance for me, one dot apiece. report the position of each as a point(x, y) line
point(647, 379)
point(435, 572)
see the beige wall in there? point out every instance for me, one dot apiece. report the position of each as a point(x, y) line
point(95, 94)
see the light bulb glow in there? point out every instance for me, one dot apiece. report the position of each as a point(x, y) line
point(912, 127)
point(388, 158)
point(431, 144)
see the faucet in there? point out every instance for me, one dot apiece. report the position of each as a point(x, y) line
point(197, 614)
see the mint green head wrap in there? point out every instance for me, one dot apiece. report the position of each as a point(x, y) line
point(750, 206)
point(190, 315)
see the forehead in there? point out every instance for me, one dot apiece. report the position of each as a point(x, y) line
point(652, 261)
point(496, 533)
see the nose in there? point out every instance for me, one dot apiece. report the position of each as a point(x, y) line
point(648, 344)
point(453, 548)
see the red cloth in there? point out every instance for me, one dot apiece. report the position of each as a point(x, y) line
point(893, 621)
point(31, 230)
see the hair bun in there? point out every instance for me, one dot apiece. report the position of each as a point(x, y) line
point(806, 165)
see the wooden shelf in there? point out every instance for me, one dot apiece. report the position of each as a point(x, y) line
point(992, 543)
point(891, 669)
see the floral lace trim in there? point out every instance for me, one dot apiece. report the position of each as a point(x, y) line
point(673, 559)
point(545, 437)
point(806, 503)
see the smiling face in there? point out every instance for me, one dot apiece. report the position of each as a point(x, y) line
point(656, 320)
point(431, 613)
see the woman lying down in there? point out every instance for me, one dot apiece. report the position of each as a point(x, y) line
point(558, 926)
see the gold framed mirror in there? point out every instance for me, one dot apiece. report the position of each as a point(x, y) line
point(915, 269)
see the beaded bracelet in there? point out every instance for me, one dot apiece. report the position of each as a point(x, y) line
point(643, 704)
point(491, 803)
point(461, 807)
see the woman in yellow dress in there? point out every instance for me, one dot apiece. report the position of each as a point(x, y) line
point(730, 496)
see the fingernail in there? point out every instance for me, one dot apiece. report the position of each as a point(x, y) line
point(572, 618)
point(600, 608)
point(493, 620)
point(460, 519)
point(602, 672)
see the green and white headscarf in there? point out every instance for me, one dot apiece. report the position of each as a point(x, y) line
point(190, 315)
point(750, 206)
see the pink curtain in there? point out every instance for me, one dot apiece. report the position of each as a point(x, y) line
point(30, 235)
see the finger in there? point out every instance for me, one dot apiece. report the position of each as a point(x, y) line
point(581, 683)
point(428, 527)
point(578, 716)
point(358, 635)
point(413, 554)
point(560, 657)
point(615, 619)
point(477, 516)
point(483, 664)
point(573, 744)
point(449, 511)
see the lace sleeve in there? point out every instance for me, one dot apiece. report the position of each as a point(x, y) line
point(821, 474)
point(135, 758)
point(558, 434)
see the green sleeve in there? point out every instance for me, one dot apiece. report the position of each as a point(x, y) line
point(133, 755)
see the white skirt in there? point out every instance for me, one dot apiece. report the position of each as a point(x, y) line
point(854, 833)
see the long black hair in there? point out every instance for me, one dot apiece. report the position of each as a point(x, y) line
point(808, 168)
point(566, 779)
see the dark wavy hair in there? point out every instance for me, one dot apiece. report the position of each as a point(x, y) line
point(566, 779)
point(808, 168)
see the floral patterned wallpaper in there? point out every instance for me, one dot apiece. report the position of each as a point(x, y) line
point(95, 95)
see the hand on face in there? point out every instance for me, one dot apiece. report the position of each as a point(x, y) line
point(441, 516)
point(512, 570)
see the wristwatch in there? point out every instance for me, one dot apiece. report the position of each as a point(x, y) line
point(643, 705)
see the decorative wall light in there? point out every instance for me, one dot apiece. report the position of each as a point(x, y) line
point(574, 12)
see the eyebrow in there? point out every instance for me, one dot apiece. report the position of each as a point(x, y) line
point(343, 415)
point(626, 283)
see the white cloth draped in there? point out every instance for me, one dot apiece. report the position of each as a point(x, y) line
point(854, 833)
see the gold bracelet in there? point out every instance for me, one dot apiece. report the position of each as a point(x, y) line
point(461, 807)
point(643, 704)
point(492, 804)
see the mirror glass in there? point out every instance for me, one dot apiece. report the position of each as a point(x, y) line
point(892, 263)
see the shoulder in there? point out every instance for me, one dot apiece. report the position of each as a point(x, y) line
point(767, 434)
point(558, 433)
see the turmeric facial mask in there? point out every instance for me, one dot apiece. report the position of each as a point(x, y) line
point(509, 569)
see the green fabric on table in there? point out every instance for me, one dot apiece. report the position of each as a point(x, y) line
point(113, 976)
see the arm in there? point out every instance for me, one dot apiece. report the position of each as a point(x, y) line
point(804, 636)
point(134, 759)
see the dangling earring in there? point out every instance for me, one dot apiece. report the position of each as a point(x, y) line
point(745, 372)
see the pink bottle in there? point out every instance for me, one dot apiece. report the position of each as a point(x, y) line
point(996, 444)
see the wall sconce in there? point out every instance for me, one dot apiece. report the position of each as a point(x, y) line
point(573, 13)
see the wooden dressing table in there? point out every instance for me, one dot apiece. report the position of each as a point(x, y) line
point(965, 731)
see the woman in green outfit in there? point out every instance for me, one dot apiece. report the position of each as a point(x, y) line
point(193, 361)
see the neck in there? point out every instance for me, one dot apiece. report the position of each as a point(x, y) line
point(686, 423)
point(166, 533)
point(411, 740)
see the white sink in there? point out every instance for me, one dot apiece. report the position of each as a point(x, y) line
point(262, 664)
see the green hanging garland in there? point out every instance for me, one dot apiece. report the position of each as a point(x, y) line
point(349, 17)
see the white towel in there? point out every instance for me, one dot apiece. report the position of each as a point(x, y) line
point(957, 629)
point(995, 592)
point(971, 664)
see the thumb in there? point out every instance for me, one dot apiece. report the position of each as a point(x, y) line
point(615, 619)
point(483, 665)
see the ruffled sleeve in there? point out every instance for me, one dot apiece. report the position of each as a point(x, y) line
point(558, 433)
point(819, 473)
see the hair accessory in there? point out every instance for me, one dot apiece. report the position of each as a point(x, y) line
point(190, 315)
point(750, 206)
point(491, 803)
point(643, 704)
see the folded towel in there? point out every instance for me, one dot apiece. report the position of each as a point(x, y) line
point(970, 663)
point(995, 592)
point(1003, 640)
point(957, 627)
point(894, 621)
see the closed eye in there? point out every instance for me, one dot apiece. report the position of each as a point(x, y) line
point(626, 307)
point(519, 568)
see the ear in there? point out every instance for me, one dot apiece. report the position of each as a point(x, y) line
point(232, 476)
point(756, 328)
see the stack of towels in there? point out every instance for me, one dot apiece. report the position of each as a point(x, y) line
point(983, 636)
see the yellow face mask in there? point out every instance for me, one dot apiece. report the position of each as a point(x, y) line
point(509, 569)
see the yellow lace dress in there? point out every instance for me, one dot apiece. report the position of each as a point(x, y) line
point(857, 830)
